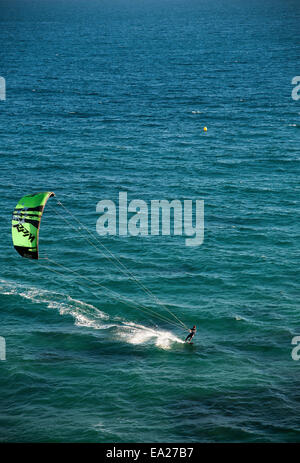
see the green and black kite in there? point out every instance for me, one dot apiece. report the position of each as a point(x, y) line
point(26, 222)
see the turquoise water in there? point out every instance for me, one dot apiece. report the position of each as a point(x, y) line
point(104, 97)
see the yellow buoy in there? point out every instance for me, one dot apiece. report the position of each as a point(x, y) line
point(205, 129)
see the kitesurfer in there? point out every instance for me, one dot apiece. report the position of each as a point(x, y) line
point(191, 335)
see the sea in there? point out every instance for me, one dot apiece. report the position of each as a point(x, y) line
point(103, 97)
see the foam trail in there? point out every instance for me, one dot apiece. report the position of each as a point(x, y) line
point(87, 315)
point(82, 320)
point(134, 333)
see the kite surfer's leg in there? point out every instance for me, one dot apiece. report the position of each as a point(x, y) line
point(189, 337)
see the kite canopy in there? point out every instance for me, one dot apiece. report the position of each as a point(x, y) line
point(26, 222)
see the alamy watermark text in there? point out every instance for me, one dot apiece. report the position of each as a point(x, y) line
point(160, 217)
point(296, 90)
point(2, 348)
point(2, 89)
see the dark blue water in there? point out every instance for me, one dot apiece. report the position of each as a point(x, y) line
point(104, 97)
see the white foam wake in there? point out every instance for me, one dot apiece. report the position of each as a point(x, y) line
point(134, 333)
point(87, 315)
